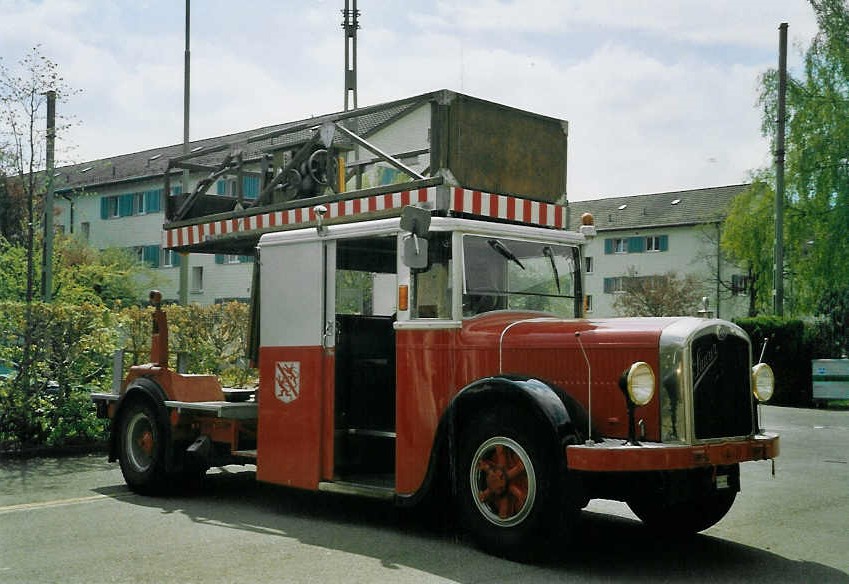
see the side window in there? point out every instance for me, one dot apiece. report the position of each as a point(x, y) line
point(365, 277)
point(431, 287)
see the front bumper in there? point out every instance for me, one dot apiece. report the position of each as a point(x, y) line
point(611, 455)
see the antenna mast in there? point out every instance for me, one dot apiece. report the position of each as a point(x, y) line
point(350, 24)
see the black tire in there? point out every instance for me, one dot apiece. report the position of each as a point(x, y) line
point(142, 448)
point(685, 517)
point(507, 479)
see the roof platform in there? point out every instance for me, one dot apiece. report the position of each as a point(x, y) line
point(239, 232)
point(450, 152)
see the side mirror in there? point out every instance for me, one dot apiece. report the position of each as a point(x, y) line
point(415, 252)
point(416, 220)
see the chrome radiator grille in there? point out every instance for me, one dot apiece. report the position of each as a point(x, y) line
point(722, 400)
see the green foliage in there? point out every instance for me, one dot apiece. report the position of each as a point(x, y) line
point(81, 274)
point(747, 240)
point(833, 329)
point(71, 356)
point(13, 275)
point(817, 168)
point(47, 403)
point(213, 338)
point(787, 353)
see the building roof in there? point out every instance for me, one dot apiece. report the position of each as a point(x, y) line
point(152, 163)
point(691, 207)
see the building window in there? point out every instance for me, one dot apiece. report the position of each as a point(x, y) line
point(170, 258)
point(131, 204)
point(588, 265)
point(227, 187)
point(614, 285)
point(588, 303)
point(636, 244)
point(616, 245)
point(147, 254)
point(196, 285)
point(657, 243)
point(138, 204)
point(740, 285)
point(85, 230)
point(233, 259)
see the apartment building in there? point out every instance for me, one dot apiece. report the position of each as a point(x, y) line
point(653, 234)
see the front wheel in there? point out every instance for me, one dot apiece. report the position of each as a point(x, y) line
point(507, 483)
point(686, 517)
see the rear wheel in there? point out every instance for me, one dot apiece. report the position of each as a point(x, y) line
point(142, 448)
point(507, 476)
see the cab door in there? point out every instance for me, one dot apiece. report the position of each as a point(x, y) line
point(295, 362)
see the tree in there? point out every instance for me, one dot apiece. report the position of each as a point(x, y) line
point(747, 239)
point(22, 136)
point(667, 294)
point(817, 159)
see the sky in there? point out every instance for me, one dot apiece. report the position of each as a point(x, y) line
point(660, 95)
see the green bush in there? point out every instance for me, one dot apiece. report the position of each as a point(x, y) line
point(787, 353)
point(67, 352)
point(60, 357)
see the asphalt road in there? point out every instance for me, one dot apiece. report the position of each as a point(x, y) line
point(73, 520)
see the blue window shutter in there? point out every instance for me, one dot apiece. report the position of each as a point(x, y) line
point(250, 187)
point(125, 205)
point(221, 187)
point(608, 246)
point(104, 207)
point(219, 258)
point(150, 255)
point(153, 200)
point(176, 258)
point(664, 243)
point(176, 190)
point(636, 244)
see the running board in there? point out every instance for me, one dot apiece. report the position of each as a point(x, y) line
point(360, 490)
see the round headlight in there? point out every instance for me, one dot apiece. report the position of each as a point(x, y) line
point(640, 383)
point(763, 382)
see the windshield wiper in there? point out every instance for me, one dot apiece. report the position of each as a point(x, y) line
point(504, 251)
point(549, 253)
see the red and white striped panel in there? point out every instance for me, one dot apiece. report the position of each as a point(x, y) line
point(190, 235)
point(510, 208)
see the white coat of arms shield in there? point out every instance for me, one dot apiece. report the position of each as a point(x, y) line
point(287, 380)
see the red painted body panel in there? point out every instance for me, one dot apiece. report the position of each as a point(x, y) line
point(289, 441)
point(433, 365)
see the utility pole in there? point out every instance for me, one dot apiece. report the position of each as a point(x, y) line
point(779, 171)
point(184, 258)
point(47, 257)
point(350, 24)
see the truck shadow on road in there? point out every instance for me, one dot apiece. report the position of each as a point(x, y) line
point(610, 548)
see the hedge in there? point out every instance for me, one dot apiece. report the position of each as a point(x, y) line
point(787, 352)
point(71, 351)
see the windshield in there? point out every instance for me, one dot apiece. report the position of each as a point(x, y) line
point(510, 274)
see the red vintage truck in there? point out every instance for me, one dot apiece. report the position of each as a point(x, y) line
point(433, 340)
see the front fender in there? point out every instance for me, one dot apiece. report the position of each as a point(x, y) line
point(549, 405)
point(561, 415)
